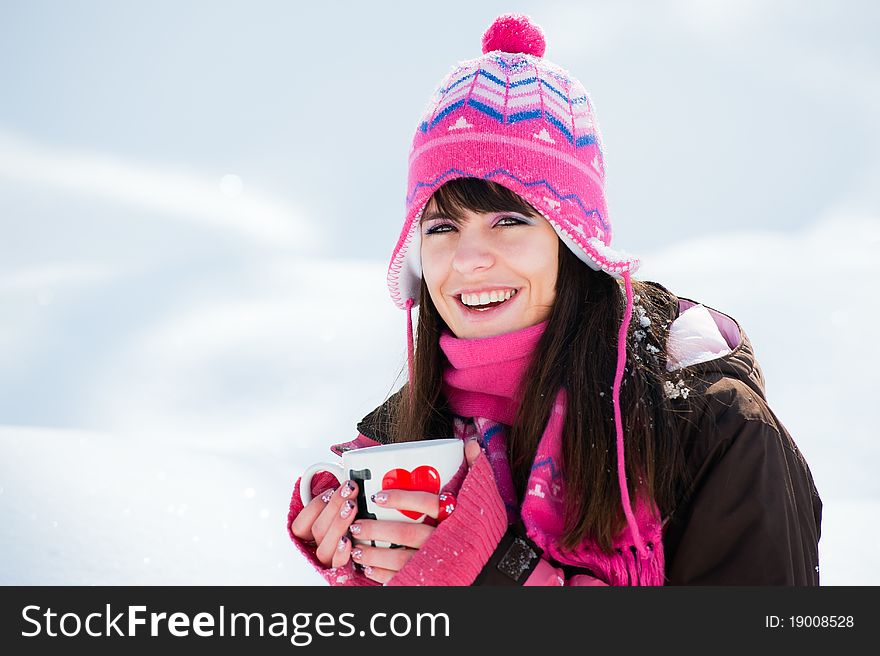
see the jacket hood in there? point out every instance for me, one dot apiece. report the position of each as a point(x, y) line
point(740, 363)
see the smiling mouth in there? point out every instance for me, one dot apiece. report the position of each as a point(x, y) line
point(485, 302)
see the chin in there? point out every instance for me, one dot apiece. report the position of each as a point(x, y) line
point(489, 329)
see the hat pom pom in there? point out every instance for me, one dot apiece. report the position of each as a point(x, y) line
point(514, 33)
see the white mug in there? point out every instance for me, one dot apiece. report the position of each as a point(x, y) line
point(426, 465)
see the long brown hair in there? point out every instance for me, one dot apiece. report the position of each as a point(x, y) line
point(577, 350)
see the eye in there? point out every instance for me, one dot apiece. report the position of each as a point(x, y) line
point(434, 230)
point(515, 220)
point(441, 228)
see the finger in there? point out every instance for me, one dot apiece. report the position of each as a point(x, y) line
point(301, 526)
point(378, 574)
point(421, 502)
point(343, 552)
point(408, 534)
point(472, 451)
point(347, 490)
point(382, 557)
point(339, 527)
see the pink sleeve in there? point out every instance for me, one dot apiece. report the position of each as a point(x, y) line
point(461, 545)
point(346, 575)
point(547, 574)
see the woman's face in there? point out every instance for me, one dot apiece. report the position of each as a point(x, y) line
point(472, 267)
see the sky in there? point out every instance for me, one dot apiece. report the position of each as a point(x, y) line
point(198, 201)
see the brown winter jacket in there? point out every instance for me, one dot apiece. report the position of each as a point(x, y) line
point(751, 514)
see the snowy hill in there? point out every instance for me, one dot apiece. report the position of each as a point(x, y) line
point(205, 415)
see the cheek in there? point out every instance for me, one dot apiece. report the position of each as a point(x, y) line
point(435, 269)
point(544, 284)
point(538, 260)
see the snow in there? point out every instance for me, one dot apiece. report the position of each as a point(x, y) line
point(201, 418)
point(179, 341)
point(88, 508)
point(186, 483)
point(674, 390)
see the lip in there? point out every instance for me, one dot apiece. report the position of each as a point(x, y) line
point(486, 315)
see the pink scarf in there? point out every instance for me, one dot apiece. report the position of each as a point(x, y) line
point(481, 382)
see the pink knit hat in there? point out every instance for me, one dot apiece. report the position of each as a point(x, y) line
point(520, 121)
point(523, 122)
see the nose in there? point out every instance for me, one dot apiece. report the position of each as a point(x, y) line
point(472, 253)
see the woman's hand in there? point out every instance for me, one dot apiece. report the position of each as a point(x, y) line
point(325, 521)
point(382, 563)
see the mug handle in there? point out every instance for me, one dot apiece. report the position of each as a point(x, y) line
point(305, 485)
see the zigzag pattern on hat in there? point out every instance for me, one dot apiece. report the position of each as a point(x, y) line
point(516, 93)
point(589, 213)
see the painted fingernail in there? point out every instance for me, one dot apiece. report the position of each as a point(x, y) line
point(447, 505)
point(380, 498)
point(368, 570)
point(357, 553)
point(347, 489)
point(327, 496)
point(355, 529)
point(346, 509)
point(343, 541)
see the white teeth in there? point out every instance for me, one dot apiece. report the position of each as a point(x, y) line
point(487, 297)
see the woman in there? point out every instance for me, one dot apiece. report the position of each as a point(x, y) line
point(616, 434)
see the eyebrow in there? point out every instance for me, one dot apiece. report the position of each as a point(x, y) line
point(430, 216)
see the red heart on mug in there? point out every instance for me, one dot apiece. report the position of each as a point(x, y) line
point(421, 479)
